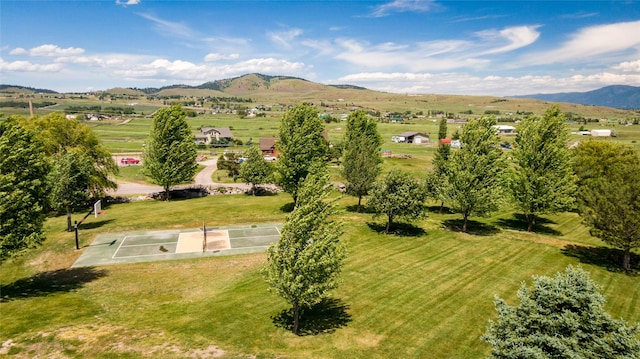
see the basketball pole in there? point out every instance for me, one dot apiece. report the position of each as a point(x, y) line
point(204, 237)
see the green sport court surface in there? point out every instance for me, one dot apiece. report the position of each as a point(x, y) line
point(134, 247)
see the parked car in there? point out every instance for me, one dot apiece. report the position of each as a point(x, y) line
point(129, 161)
point(270, 158)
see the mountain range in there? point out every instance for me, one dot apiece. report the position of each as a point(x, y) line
point(616, 96)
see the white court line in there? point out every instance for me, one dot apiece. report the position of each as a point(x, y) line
point(269, 235)
point(277, 230)
point(117, 249)
point(148, 244)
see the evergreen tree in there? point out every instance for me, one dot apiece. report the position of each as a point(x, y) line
point(560, 317)
point(255, 169)
point(300, 144)
point(361, 155)
point(170, 152)
point(542, 180)
point(609, 193)
point(398, 196)
point(23, 188)
point(303, 266)
point(442, 129)
point(475, 171)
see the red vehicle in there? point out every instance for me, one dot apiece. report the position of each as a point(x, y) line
point(130, 161)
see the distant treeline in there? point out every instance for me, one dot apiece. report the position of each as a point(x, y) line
point(100, 109)
point(25, 104)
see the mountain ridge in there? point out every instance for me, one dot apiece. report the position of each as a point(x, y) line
point(616, 96)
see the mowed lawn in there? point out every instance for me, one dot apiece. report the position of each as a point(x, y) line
point(425, 291)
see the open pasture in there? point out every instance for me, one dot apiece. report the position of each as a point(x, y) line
point(424, 291)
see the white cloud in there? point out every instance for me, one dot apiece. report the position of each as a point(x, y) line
point(18, 51)
point(403, 6)
point(170, 28)
point(438, 55)
point(464, 83)
point(25, 66)
point(516, 37)
point(127, 2)
point(591, 42)
point(284, 38)
point(55, 51)
point(211, 57)
point(628, 66)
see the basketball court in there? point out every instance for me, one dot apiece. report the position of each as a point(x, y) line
point(134, 247)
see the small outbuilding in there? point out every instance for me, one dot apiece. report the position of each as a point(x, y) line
point(411, 137)
point(601, 133)
point(505, 129)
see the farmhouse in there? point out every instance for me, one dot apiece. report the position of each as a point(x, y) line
point(268, 146)
point(505, 129)
point(411, 137)
point(213, 135)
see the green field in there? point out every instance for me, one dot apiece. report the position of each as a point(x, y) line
point(425, 291)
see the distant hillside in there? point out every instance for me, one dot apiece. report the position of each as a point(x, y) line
point(617, 96)
point(17, 88)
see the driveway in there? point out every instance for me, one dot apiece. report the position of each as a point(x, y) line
point(203, 178)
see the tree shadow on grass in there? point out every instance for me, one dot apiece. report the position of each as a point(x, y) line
point(94, 224)
point(439, 210)
point(324, 317)
point(287, 207)
point(45, 283)
point(519, 223)
point(473, 227)
point(608, 258)
point(399, 229)
point(363, 209)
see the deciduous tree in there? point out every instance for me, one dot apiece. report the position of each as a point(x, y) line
point(542, 180)
point(23, 188)
point(609, 193)
point(255, 169)
point(170, 152)
point(303, 266)
point(398, 196)
point(300, 144)
point(61, 135)
point(560, 317)
point(361, 155)
point(475, 171)
point(70, 173)
point(437, 181)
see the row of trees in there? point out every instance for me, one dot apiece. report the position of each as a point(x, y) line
point(47, 164)
point(601, 179)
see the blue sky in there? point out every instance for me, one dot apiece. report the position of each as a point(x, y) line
point(498, 48)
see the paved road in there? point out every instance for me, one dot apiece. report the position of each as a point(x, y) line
point(203, 178)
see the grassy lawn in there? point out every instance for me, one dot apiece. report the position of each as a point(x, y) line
point(425, 291)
